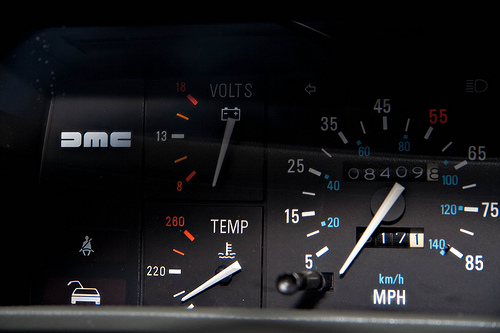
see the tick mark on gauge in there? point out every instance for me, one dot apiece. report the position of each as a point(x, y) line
point(447, 146)
point(342, 137)
point(312, 233)
point(467, 232)
point(312, 194)
point(178, 252)
point(179, 293)
point(177, 136)
point(466, 187)
point(182, 116)
point(191, 175)
point(385, 125)
point(314, 172)
point(470, 209)
point(456, 252)
point(308, 213)
point(180, 159)
point(188, 235)
point(192, 99)
point(322, 251)
point(461, 164)
point(174, 271)
point(326, 153)
point(428, 133)
point(362, 127)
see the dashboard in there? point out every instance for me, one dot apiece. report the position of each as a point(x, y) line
point(282, 176)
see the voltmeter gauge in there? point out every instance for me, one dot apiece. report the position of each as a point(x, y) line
point(391, 208)
point(201, 136)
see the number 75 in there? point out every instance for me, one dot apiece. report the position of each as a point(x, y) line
point(491, 208)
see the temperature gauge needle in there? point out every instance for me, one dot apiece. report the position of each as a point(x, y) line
point(229, 270)
point(228, 131)
point(384, 208)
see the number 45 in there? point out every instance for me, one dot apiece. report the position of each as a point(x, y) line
point(382, 105)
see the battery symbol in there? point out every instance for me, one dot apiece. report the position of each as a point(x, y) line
point(233, 113)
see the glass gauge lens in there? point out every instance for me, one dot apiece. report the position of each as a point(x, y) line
point(201, 137)
point(393, 203)
point(201, 255)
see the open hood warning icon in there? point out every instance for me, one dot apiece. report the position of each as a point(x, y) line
point(84, 295)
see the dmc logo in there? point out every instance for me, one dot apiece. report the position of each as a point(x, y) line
point(96, 139)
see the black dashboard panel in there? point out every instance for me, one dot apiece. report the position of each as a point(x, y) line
point(192, 169)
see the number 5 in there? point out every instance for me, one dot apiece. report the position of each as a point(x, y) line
point(309, 261)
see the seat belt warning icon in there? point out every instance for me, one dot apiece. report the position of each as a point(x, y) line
point(86, 248)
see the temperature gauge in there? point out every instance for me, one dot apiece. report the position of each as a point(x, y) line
point(201, 255)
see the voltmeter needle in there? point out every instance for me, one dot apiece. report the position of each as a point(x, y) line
point(228, 131)
point(384, 208)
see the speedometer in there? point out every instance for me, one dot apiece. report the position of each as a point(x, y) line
point(393, 205)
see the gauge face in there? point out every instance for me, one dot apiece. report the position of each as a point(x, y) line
point(290, 174)
point(201, 255)
point(418, 156)
point(203, 134)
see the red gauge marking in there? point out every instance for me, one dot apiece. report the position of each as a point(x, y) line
point(191, 175)
point(179, 252)
point(180, 159)
point(183, 116)
point(188, 235)
point(192, 99)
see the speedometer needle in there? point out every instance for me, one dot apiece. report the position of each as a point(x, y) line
point(384, 208)
point(229, 270)
point(228, 131)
